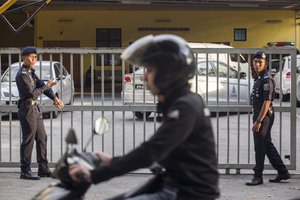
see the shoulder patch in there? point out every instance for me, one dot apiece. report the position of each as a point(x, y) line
point(206, 112)
point(24, 71)
point(174, 114)
point(266, 86)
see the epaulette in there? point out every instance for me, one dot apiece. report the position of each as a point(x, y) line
point(24, 71)
point(267, 75)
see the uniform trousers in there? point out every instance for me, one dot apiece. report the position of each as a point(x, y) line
point(263, 146)
point(33, 129)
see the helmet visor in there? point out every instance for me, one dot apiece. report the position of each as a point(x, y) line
point(135, 52)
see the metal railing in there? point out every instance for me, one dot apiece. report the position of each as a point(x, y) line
point(223, 94)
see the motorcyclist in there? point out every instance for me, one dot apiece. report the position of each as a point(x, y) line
point(184, 143)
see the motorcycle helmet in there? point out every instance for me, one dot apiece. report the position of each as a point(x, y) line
point(169, 54)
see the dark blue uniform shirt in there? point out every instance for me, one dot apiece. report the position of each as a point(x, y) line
point(30, 86)
point(263, 89)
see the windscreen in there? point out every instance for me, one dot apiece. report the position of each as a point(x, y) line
point(45, 74)
point(290, 64)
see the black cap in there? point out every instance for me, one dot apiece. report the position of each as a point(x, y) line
point(28, 50)
point(260, 55)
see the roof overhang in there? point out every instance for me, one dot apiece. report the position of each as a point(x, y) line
point(185, 4)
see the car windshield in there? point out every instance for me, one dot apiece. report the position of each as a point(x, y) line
point(205, 68)
point(297, 64)
point(211, 69)
point(140, 70)
point(45, 74)
point(275, 65)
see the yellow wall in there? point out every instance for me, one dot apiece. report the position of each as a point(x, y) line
point(205, 25)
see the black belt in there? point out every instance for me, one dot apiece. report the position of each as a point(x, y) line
point(28, 102)
point(33, 103)
point(270, 110)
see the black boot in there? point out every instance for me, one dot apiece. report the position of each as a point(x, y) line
point(280, 177)
point(27, 174)
point(255, 181)
point(44, 170)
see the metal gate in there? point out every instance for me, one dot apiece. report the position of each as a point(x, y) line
point(111, 88)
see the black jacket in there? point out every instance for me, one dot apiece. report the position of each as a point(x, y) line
point(184, 145)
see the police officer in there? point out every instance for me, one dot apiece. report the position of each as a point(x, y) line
point(30, 87)
point(263, 118)
point(184, 143)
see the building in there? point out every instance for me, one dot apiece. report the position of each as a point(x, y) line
point(103, 23)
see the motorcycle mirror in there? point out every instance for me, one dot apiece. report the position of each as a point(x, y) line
point(101, 126)
point(71, 137)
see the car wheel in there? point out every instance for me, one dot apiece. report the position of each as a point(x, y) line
point(140, 115)
point(54, 114)
point(298, 102)
point(48, 115)
point(285, 97)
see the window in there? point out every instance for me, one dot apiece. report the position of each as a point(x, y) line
point(225, 71)
point(60, 69)
point(240, 34)
point(108, 38)
point(14, 71)
point(57, 69)
point(204, 68)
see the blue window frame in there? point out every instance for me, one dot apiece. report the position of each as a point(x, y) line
point(240, 34)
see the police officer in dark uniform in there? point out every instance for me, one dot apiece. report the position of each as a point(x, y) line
point(184, 144)
point(30, 87)
point(263, 118)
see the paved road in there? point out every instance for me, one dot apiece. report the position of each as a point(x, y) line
point(232, 187)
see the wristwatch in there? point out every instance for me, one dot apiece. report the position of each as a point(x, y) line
point(258, 121)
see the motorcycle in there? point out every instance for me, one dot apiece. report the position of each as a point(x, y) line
point(66, 188)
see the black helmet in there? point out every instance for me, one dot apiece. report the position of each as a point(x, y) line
point(169, 54)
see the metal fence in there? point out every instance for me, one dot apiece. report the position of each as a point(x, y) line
point(106, 86)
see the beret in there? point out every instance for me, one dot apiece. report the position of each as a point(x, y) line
point(260, 55)
point(28, 50)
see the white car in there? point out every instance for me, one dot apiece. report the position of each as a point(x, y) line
point(285, 84)
point(220, 84)
point(298, 87)
point(134, 92)
point(231, 59)
point(64, 88)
